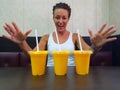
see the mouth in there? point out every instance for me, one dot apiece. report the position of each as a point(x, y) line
point(60, 27)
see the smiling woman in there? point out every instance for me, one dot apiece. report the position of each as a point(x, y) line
point(67, 39)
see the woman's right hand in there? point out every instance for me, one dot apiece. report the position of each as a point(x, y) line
point(16, 35)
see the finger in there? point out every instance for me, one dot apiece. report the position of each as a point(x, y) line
point(90, 32)
point(110, 33)
point(102, 28)
point(10, 38)
point(7, 30)
point(10, 29)
point(7, 37)
point(111, 39)
point(15, 26)
point(109, 28)
point(28, 32)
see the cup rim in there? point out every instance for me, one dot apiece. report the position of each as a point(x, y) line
point(83, 51)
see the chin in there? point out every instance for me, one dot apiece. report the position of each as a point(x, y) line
point(60, 30)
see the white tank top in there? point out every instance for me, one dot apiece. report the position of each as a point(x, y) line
point(67, 45)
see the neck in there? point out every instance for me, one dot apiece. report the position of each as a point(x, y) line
point(62, 33)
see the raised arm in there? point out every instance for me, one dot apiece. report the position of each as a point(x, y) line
point(98, 39)
point(17, 36)
point(101, 37)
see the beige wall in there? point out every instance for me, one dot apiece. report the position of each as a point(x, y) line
point(37, 14)
point(114, 14)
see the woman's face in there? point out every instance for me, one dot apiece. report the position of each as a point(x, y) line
point(61, 19)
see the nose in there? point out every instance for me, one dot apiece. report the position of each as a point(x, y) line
point(60, 20)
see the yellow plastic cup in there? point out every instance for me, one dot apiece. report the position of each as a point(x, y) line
point(38, 62)
point(60, 62)
point(82, 60)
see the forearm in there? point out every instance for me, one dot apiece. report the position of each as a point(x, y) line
point(25, 47)
point(94, 50)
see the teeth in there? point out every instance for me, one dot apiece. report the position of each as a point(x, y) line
point(60, 26)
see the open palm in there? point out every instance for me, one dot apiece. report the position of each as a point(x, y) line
point(101, 37)
point(15, 33)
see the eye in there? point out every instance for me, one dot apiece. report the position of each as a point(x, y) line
point(57, 17)
point(64, 18)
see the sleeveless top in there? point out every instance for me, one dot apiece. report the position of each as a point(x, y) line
point(67, 45)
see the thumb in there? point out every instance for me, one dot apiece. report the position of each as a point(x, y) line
point(90, 32)
point(28, 32)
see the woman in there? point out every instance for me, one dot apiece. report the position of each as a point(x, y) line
point(67, 39)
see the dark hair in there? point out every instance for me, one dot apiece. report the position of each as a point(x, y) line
point(62, 6)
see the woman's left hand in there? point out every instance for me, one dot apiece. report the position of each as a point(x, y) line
point(101, 37)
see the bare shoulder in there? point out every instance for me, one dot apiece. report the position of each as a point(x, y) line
point(45, 37)
point(74, 35)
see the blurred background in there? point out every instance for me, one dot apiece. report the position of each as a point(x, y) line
point(37, 14)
